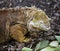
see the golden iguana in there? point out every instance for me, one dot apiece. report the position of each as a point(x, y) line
point(16, 22)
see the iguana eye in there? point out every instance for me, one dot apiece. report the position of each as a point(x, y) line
point(41, 22)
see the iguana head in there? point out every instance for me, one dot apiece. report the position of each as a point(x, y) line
point(39, 21)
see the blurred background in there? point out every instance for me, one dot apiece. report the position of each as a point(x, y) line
point(50, 6)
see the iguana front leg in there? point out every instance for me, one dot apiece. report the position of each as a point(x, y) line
point(17, 32)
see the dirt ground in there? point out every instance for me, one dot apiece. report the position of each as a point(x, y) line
point(52, 9)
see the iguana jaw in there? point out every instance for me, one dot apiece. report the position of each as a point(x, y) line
point(38, 25)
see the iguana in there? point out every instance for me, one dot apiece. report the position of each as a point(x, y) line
point(17, 21)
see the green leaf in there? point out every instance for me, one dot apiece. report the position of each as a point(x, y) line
point(57, 49)
point(41, 45)
point(37, 46)
point(44, 44)
point(48, 49)
point(26, 49)
point(54, 44)
point(58, 38)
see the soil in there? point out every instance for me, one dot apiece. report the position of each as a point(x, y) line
point(52, 9)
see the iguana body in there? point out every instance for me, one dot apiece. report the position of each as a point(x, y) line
point(16, 22)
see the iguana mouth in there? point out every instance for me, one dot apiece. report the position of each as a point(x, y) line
point(39, 25)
